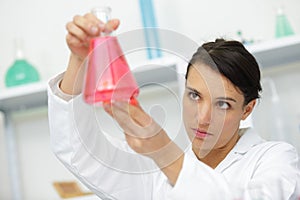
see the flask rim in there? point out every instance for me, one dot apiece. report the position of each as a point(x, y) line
point(106, 9)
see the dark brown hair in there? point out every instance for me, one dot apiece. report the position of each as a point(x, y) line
point(233, 61)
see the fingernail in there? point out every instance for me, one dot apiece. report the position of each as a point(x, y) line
point(94, 30)
point(133, 102)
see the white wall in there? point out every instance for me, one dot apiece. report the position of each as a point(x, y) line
point(279, 119)
point(42, 25)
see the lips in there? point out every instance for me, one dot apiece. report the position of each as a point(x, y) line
point(201, 134)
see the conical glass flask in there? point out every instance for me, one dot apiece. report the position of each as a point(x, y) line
point(21, 71)
point(283, 26)
point(108, 77)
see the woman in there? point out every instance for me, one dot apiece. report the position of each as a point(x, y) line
point(224, 162)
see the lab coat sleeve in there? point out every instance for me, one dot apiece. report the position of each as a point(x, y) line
point(69, 131)
point(276, 175)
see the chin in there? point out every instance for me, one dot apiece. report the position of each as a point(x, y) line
point(203, 145)
point(200, 151)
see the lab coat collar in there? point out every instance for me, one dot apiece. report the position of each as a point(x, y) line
point(248, 139)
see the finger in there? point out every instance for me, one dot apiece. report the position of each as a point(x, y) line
point(73, 41)
point(110, 26)
point(137, 123)
point(139, 115)
point(92, 18)
point(125, 121)
point(135, 112)
point(76, 31)
point(119, 116)
point(101, 24)
point(144, 120)
point(88, 26)
point(108, 109)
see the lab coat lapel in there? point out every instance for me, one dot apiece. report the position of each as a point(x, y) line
point(249, 138)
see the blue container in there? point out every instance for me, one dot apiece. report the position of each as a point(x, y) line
point(150, 29)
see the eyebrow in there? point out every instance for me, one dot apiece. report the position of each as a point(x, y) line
point(220, 98)
point(226, 98)
point(194, 90)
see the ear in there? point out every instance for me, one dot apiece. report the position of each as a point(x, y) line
point(248, 109)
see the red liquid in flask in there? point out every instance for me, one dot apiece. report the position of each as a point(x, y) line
point(108, 77)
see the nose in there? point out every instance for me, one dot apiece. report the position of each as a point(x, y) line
point(204, 113)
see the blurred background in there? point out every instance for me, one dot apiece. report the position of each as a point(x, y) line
point(40, 26)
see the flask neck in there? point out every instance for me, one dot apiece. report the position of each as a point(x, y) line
point(280, 11)
point(104, 15)
point(19, 49)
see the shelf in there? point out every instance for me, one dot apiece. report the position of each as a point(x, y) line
point(35, 94)
point(269, 53)
point(23, 97)
point(159, 71)
point(276, 52)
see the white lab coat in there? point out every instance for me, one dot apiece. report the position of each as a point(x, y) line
point(253, 167)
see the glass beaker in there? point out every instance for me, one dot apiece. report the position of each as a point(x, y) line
point(108, 77)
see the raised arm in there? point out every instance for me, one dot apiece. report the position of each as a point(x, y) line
point(76, 138)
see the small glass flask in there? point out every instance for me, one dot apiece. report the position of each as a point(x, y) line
point(283, 26)
point(21, 71)
point(108, 77)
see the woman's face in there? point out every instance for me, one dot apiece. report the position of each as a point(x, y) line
point(212, 109)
